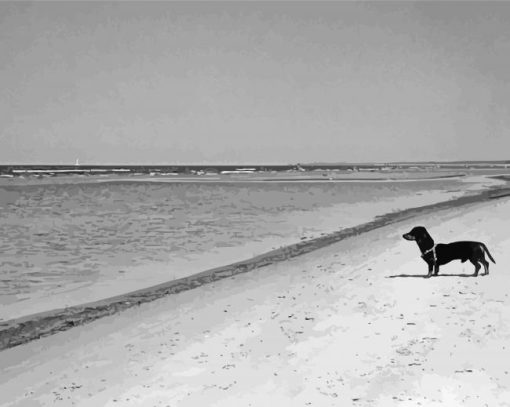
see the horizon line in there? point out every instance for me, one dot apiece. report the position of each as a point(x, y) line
point(329, 163)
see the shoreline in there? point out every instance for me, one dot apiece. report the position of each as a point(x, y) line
point(290, 179)
point(308, 177)
point(25, 329)
point(286, 223)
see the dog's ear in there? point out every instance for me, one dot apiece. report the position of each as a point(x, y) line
point(419, 231)
point(422, 236)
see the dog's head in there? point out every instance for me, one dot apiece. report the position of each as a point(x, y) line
point(417, 233)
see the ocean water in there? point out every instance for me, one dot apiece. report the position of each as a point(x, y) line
point(62, 244)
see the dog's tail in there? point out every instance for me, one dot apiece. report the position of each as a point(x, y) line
point(488, 253)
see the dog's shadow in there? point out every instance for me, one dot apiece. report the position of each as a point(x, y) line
point(426, 276)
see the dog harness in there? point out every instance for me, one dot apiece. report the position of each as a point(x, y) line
point(433, 250)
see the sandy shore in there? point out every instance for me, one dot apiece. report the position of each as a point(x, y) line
point(349, 324)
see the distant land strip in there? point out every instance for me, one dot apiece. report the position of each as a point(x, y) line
point(22, 330)
point(13, 170)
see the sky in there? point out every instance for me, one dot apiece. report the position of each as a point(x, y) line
point(253, 82)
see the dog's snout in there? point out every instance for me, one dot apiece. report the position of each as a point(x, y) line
point(407, 236)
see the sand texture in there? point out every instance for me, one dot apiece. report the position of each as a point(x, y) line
point(351, 324)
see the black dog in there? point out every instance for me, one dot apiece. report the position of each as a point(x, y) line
point(437, 255)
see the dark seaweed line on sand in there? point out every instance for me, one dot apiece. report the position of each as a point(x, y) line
point(21, 330)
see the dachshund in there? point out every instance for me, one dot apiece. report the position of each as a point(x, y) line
point(436, 255)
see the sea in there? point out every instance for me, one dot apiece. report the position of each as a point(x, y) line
point(66, 243)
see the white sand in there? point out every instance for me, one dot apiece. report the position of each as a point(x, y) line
point(325, 329)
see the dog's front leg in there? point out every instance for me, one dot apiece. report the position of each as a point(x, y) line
point(430, 270)
point(436, 269)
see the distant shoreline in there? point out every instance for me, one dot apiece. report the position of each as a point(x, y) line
point(21, 330)
point(292, 175)
point(263, 170)
point(283, 179)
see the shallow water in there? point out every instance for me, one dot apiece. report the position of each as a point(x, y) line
point(94, 239)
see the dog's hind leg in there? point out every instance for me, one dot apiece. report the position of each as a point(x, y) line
point(477, 266)
point(485, 266)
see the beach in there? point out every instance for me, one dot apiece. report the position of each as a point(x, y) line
point(227, 204)
point(348, 324)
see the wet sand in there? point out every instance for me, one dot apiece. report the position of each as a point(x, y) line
point(352, 323)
